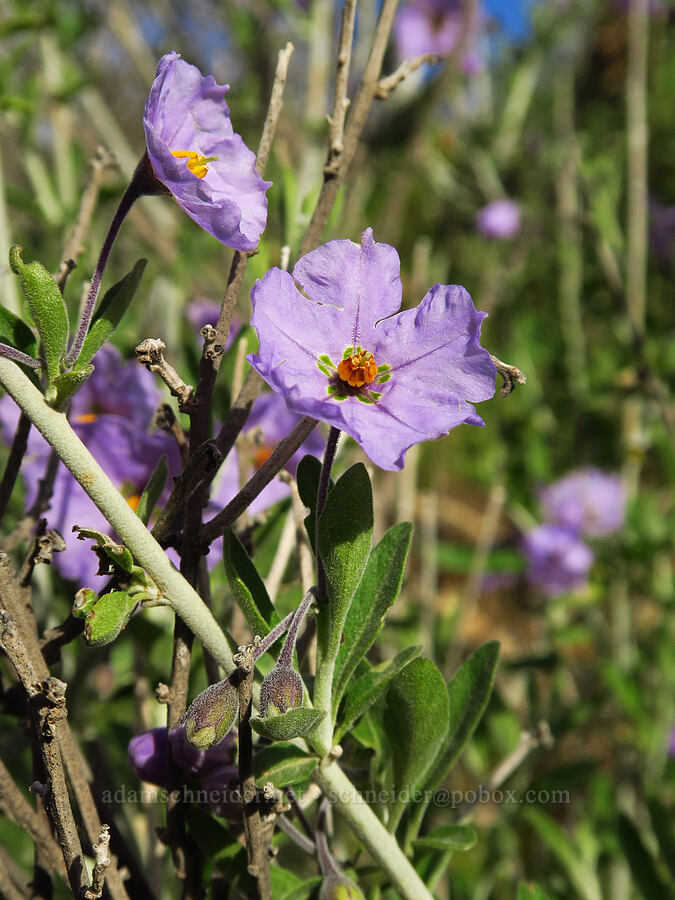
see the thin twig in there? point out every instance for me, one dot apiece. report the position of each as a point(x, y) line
point(150, 353)
point(16, 454)
point(48, 700)
point(386, 85)
point(336, 120)
point(214, 527)
point(165, 419)
point(101, 161)
point(296, 836)
point(511, 375)
point(16, 807)
point(22, 358)
point(357, 119)
point(101, 864)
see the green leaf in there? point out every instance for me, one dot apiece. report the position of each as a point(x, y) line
point(365, 690)
point(109, 616)
point(16, 333)
point(47, 308)
point(345, 533)
point(662, 823)
point(528, 890)
point(66, 384)
point(583, 878)
point(117, 553)
point(416, 722)
point(304, 891)
point(374, 596)
point(283, 764)
point(247, 586)
point(448, 837)
point(307, 476)
point(110, 312)
point(153, 490)
point(468, 695)
point(645, 873)
point(292, 724)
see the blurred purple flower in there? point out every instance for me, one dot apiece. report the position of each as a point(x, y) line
point(662, 230)
point(340, 350)
point(432, 26)
point(588, 500)
point(500, 219)
point(149, 755)
point(110, 414)
point(197, 155)
point(671, 742)
point(558, 560)
point(221, 787)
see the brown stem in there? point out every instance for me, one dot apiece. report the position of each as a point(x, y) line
point(260, 480)
point(16, 454)
point(257, 836)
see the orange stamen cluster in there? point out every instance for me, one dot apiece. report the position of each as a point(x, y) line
point(133, 501)
point(261, 455)
point(195, 163)
point(85, 418)
point(358, 369)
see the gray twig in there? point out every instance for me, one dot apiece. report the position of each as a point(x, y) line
point(511, 375)
point(101, 864)
point(150, 353)
point(386, 85)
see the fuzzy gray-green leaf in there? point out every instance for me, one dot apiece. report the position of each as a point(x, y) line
point(292, 724)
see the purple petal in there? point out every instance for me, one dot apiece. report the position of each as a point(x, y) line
point(364, 280)
point(149, 756)
point(499, 219)
point(589, 500)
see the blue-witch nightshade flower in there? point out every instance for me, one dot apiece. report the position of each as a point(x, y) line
point(335, 346)
point(198, 156)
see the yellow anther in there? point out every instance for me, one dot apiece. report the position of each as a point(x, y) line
point(85, 418)
point(195, 163)
point(133, 501)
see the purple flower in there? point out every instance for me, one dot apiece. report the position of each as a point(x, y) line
point(149, 755)
point(203, 311)
point(588, 500)
point(197, 155)
point(558, 560)
point(334, 345)
point(662, 231)
point(431, 26)
point(222, 792)
point(499, 219)
point(111, 414)
point(671, 743)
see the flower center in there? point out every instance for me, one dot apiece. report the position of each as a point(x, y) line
point(358, 369)
point(261, 455)
point(195, 162)
point(85, 418)
point(353, 375)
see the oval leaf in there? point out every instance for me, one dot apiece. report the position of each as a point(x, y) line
point(292, 724)
point(449, 837)
point(247, 586)
point(283, 764)
point(109, 616)
point(15, 333)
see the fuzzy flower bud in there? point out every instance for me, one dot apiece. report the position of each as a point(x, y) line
point(282, 689)
point(211, 714)
point(338, 887)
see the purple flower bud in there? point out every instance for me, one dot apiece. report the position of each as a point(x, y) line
point(558, 559)
point(211, 714)
point(149, 756)
point(339, 887)
point(588, 500)
point(499, 219)
point(282, 689)
point(222, 792)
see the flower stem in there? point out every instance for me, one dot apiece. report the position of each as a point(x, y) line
point(286, 655)
point(142, 182)
point(321, 496)
point(23, 358)
point(57, 431)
